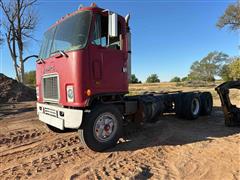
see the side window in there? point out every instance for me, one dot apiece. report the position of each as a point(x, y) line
point(115, 42)
point(99, 36)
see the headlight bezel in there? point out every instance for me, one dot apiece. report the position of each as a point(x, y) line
point(70, 93)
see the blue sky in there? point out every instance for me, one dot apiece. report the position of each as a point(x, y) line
point(167, 36)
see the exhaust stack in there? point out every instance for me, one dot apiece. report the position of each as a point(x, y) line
point(127, 18)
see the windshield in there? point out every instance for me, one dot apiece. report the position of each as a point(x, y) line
point(71, 34)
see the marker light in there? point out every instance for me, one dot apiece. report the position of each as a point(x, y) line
point(37, 92)
point(93, 5)
point(89, 92)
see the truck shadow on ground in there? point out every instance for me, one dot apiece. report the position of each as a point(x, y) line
point(169, 130)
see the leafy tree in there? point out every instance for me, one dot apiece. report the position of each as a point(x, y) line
point(153, 78)
point(184, 79)
point(175, 79)
point(30, 77)
point(134, 79)
point(234, 68)
point(231, 71)
point(231, 17)
point(225, 73)
point(19, 23)
point(207, 68)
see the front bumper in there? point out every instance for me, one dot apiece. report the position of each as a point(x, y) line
point(59, 117)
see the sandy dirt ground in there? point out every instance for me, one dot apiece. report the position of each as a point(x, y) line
point(171, 148)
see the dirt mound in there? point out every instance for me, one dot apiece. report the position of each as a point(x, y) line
point(13, 91)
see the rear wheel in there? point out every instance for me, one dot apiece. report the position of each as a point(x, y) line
point(179, 106)
point(188, 106)
point(229, 123)
point(206, 103)
point(102, 128)
point(191, 106)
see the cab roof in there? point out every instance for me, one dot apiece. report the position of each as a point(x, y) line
point(81, 9)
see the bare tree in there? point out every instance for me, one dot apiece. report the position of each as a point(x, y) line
point(19, 22)
point(1, 38)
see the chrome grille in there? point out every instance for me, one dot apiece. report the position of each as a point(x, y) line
point(50, 87)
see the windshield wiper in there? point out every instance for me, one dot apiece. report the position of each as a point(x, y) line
point(60, 52)
point(40, 61)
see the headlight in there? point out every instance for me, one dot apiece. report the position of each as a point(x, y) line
point(37, 92)
point(70, 94)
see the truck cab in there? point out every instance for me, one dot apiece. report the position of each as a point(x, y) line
point(79, 58)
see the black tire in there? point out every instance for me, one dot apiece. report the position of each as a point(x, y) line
point(54, 129)
point(229, 123)
point(191, 106)
point(88, 132)
point(206, 103)
point(178, 106)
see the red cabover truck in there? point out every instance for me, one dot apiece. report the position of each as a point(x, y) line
point(82, 80)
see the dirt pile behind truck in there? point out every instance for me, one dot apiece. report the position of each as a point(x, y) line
point(13, 91)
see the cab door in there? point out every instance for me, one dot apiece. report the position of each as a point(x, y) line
point(107, 61)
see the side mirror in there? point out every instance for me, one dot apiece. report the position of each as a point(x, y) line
point(113, 24)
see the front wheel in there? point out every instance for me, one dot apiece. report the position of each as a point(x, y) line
point(102, 128)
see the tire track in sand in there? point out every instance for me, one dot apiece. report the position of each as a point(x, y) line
point(19, 138)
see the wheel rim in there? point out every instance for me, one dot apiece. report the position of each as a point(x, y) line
point(195, 106)
point(105, 127)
